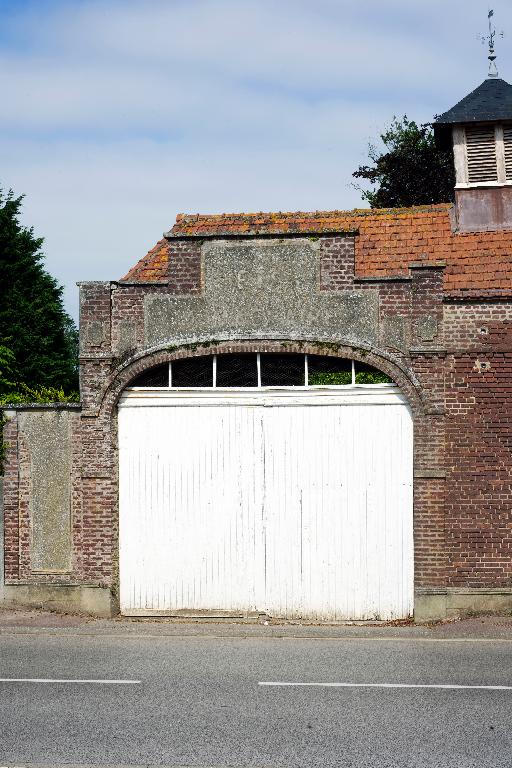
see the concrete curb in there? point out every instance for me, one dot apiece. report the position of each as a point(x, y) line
point(475, 629)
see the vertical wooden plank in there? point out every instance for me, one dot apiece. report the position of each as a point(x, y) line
point(303, 508)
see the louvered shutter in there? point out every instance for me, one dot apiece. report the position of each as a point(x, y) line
point(481, 151)
point(507, 135)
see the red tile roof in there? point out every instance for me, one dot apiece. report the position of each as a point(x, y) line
point(153, 267)
point(387, 242)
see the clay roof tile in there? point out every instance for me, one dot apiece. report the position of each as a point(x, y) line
point(387, 241)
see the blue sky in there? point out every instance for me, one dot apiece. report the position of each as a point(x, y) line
point(115, 116)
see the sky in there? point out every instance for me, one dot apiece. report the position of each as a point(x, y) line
point(117, 115)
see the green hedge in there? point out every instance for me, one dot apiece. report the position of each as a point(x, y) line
point(345, 377)
point(372, 377)
point(24, 394)
point(326, 378)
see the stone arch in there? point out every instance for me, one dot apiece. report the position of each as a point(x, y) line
point(389, 364)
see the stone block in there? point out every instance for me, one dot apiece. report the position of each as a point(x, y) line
point(262, 290)
point(47, 438)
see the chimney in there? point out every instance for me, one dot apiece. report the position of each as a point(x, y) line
point(479, 128)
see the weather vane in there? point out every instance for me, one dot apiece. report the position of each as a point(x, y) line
point(490, 40)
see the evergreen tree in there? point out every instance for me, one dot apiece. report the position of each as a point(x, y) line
point(7, 363)
point(33, 323)
point(412, 169)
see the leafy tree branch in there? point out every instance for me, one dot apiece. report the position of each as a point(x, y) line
point(409, 170)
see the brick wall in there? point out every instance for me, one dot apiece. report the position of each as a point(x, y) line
point(453, 360)
point(11, 492)
point(479, 444)
point(185, 268)
point(336, 263)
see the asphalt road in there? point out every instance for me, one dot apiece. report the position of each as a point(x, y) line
point(199, 702)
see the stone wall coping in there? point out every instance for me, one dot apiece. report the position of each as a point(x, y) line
point(99, 356)
point(42, 407)
point(427, 265)
point(477, 297)
point(384, 279)
point(256, 235)
point(138, 283)
point(429, 474)
point(103, 283)
point(440, 351)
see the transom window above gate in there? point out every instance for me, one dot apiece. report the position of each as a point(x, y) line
point(257, 370)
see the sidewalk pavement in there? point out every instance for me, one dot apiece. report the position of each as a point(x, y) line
point(18, 621)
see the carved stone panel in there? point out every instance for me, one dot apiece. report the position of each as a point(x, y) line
point(394, 333)
point(47, 436)
point(262, 289)
point(127, 336)
point(426, 328)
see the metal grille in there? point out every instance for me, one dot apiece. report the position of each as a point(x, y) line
point(328, 371)
point(153, 377)
point(192, 372)
point(237, 371)
point(264, 370)
point(282, 370)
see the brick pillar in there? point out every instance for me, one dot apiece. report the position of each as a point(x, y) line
point(98, 461)
point(427, 305)
point(11, 493)
point(95, 340)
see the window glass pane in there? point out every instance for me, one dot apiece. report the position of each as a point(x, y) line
point(153, 377)
point(237, 371)
point(365, 374)
point(193, 372)
point(282, 370)
point(329, 371)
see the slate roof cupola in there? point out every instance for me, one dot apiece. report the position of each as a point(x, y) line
point(491, 101)
point(479, 128)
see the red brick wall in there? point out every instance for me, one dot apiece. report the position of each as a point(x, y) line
point(436, 351)
point(99, 530)
point(12, 493)
point(336, 263)
point(185, 267)
point(430, 561)
point(479, 445)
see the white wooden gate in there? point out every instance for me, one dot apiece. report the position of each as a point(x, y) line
point(290, 503)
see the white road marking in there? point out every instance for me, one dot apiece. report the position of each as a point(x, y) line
point(66, 680)
point(390, 685)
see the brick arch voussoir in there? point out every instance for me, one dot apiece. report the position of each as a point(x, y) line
point(388, 364)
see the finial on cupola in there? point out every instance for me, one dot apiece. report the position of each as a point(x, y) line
point(490, 40)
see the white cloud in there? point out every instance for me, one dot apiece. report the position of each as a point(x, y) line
point(116, 115)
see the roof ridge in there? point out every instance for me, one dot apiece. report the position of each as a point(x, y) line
point(429, 208)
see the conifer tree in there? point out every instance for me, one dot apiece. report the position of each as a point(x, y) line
point(34, 326)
